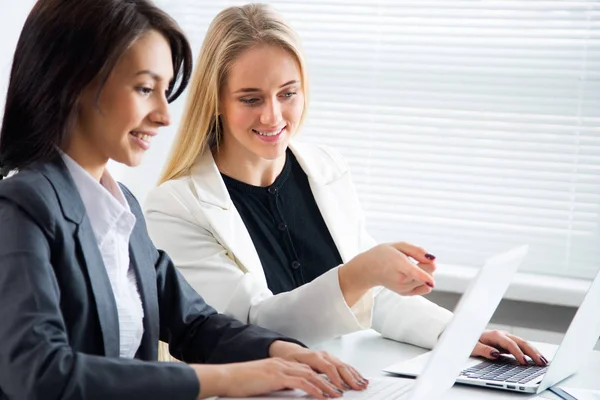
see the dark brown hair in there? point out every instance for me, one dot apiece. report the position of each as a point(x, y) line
point(64, 45)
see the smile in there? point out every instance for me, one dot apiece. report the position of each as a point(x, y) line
point(269, 133)
point(142, 136)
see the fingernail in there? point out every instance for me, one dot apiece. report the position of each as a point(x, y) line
point(362, 383)
point(544, 360)
point(430, 256)
point(495, 353)
point(346, 387)
point(339, 391)
point(326, 395)
point(525, 360)
point(429, 284)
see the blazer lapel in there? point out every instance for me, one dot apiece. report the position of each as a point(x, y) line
point(223, 216)
point(322, 179)
point(74, 211)
point(146, 282)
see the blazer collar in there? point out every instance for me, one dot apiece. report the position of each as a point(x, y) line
point(210, 187)
point(57, 173)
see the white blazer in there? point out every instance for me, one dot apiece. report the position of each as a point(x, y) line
point(194, 220)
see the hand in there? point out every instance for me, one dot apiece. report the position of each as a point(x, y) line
point(388, 265)
point(342, 375)
point(261, 377)
point(493, 343)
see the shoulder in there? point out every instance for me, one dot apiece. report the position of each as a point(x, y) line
point(32, 192)
point(26, 185)
point(175, 198)
point(175, 191)
point(320, 162)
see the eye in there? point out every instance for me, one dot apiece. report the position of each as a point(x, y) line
point(144, 90)
point(251, 101)
point(289, 95)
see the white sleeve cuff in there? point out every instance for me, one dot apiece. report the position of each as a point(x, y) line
point(409, 319)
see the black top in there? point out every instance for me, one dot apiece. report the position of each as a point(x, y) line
point(286, 227)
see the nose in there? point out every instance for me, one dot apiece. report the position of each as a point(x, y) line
point(161, 115)
point(271, 113)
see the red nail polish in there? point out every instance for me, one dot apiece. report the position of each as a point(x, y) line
point(430, 256)
point(429, 284)
point(495, 353)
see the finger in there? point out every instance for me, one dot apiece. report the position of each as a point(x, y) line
point(429, 268)
point(331, 371)
point(411, 271)
point(322, 362)
point(513, 348)
point(416, 252)
point(364, 381)
point(296, 382)
point(351, 379)
point(325, 385)
point(419, 291)
point(530, 350)
point(483, 350)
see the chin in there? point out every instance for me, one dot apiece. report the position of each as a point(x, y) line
point(132, 160)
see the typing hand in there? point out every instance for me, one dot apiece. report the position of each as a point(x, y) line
point(492, 343)
point(342, 375)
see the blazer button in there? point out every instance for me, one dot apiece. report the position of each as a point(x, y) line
point(282, 226)
point(272, 189)
point(296, 265)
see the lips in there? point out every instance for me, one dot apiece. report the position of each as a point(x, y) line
point(269, 132)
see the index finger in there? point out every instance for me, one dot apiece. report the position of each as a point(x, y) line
point(414, 272)
point(416, 252)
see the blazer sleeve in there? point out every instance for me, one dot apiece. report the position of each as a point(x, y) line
point(311, 313)
point(36, 361)
point(408, 319)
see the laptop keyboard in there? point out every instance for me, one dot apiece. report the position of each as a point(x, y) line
point(382, 389)
point(504, 371)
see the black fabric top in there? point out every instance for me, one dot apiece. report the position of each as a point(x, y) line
point(286, 227)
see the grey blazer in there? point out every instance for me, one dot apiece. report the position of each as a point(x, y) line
point(59, 336)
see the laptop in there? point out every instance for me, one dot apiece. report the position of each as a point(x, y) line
point(507, 374)
point(471, 316)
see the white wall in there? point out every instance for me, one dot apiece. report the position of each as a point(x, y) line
point(12, 17)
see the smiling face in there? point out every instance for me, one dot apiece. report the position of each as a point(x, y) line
point(262, 103)
point(131, 107)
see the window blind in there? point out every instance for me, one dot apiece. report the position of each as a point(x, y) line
point(469, 126)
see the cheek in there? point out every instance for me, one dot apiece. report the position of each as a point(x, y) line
point(122, 112)
point(296, 108)
point(240, 118)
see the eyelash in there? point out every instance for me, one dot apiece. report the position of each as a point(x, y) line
point(145, 91)
point(253, 101)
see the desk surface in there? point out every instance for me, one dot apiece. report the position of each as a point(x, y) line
point(368, 352)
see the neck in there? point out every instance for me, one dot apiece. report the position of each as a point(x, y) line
point(246, 167)
point(87, 158)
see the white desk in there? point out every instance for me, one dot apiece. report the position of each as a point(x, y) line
point(368, 352)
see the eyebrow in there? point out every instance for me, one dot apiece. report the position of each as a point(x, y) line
point(252, 90)
point(152, 74)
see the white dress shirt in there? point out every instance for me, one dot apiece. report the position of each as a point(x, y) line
point(112, 222)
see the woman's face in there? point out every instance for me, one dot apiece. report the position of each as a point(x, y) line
point(121, 123)
point(261, 102)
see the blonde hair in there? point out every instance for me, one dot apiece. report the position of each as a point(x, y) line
point(232, 32)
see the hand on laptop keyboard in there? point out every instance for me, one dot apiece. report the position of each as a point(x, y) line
point(493, 343)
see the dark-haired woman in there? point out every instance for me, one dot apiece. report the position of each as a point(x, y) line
point(84, 294)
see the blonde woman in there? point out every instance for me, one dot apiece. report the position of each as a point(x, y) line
point(269, 230)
